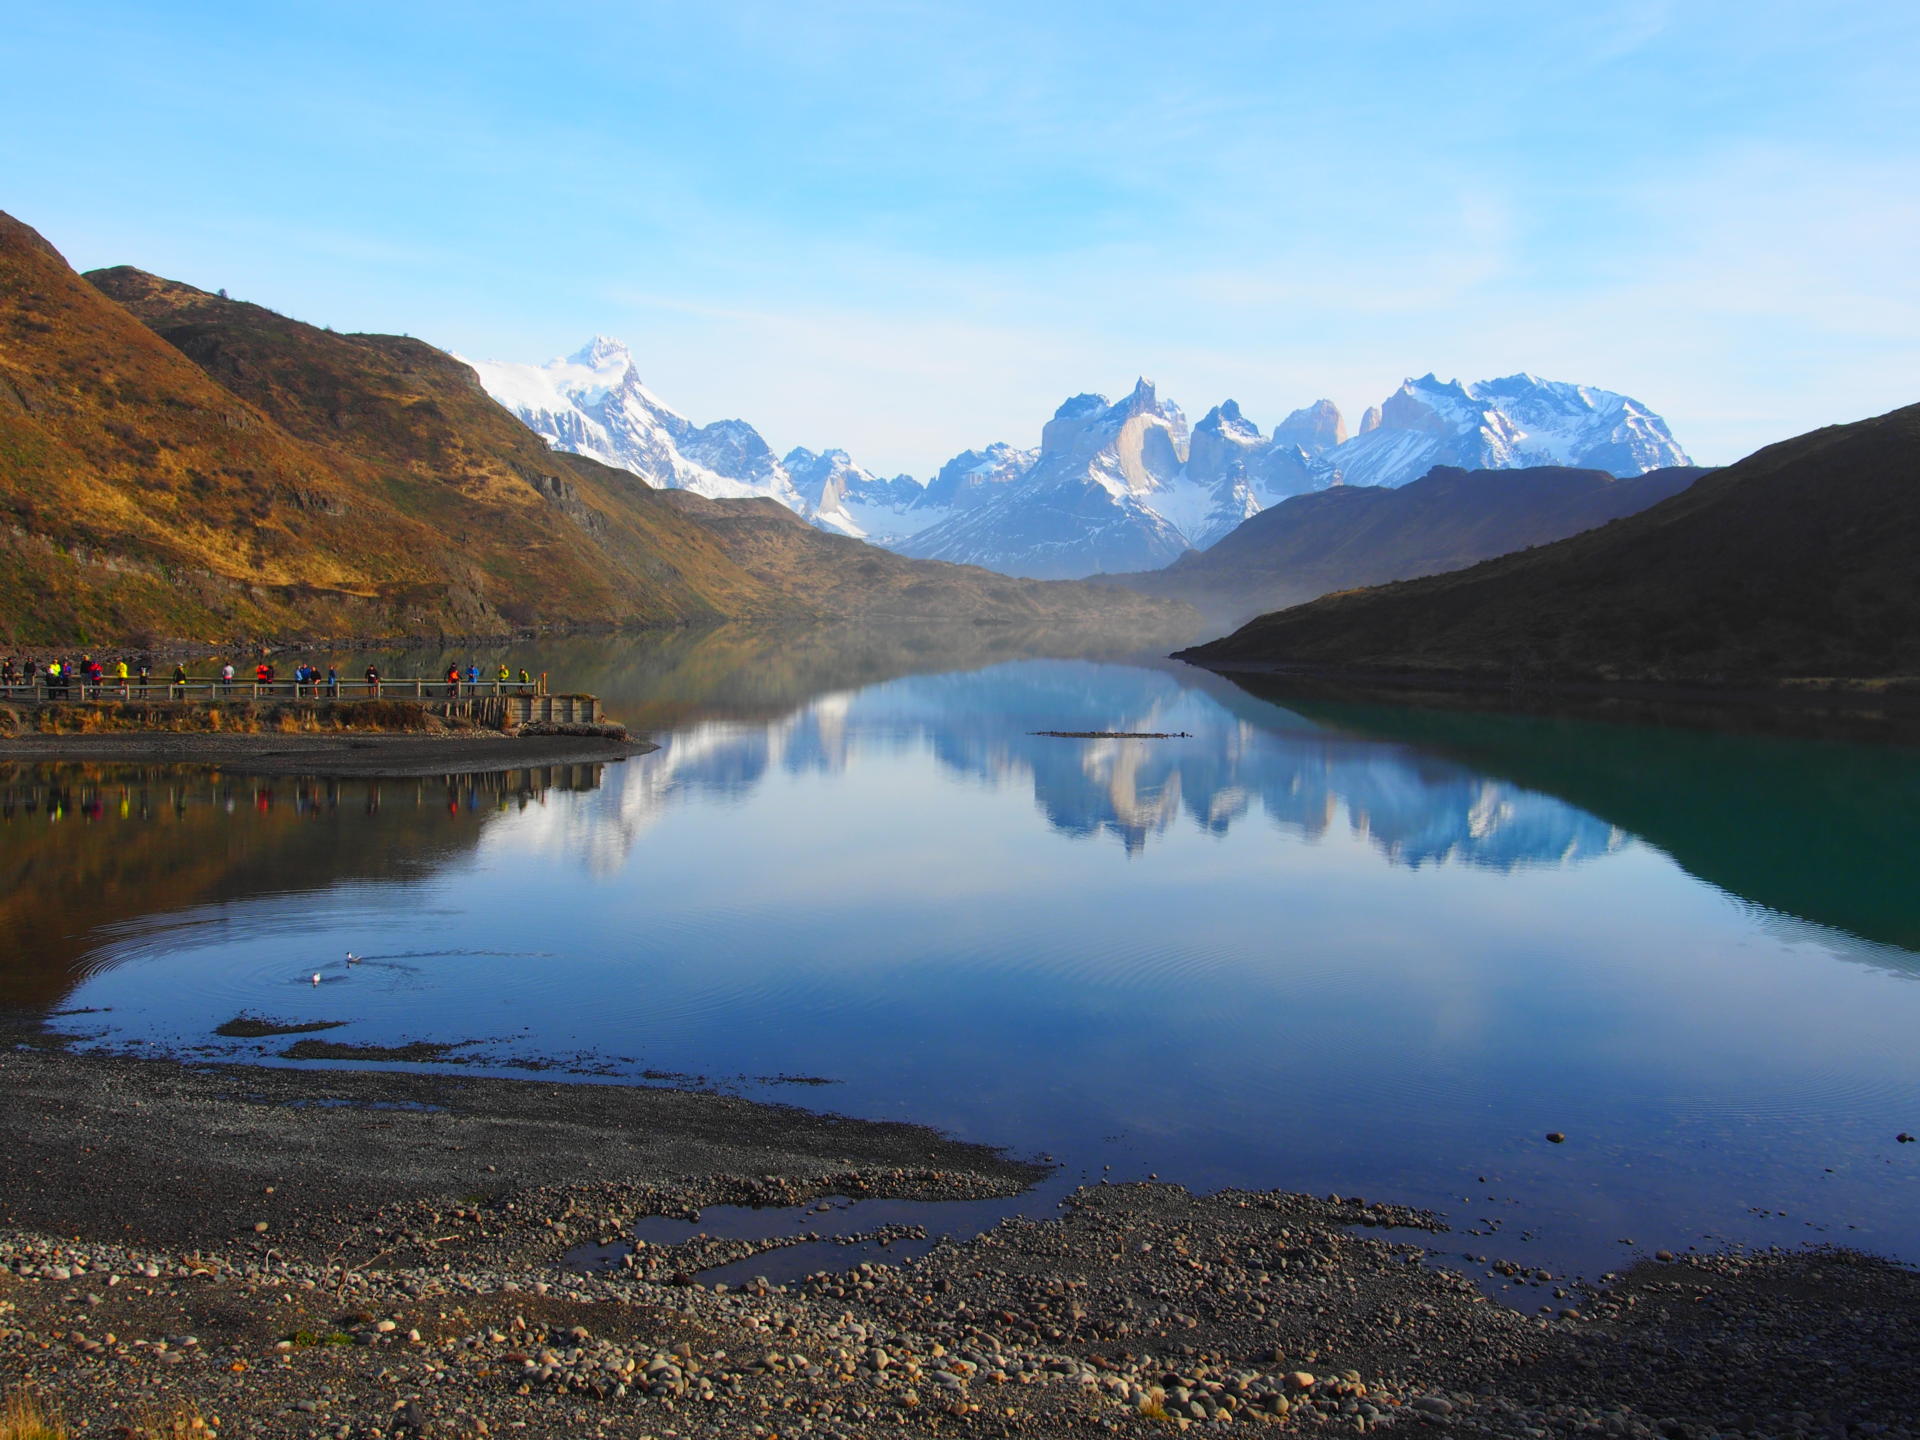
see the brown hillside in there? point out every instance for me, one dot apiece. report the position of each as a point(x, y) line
point(145, 498)
point(1798, 561)
point(542, 541)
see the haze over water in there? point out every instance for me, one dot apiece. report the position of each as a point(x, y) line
point(1368, 950)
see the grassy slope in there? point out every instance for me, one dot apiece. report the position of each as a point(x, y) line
point(1348, 536)
point(176, 465)
point(361, 484)
point(1798, 561)
point(540, 539)
point(139, 494)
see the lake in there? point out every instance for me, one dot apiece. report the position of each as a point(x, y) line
point(1319, 945)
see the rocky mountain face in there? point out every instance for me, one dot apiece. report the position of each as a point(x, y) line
point(1506, 424)
point(593, 403)
point(1350, 535)
point(1113, 486)
point(1796, 562)
point(840, 496)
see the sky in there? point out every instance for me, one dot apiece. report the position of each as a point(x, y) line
point(907, 227)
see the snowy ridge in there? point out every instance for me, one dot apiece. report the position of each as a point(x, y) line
point(592, 403)
point(1113, 486)
point(1120, 485)
point(1506, 424)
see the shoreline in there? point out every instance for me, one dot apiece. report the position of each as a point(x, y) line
point(1887, 715)
point(323, 1252)
point(369, 754)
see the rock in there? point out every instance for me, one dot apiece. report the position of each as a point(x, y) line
point(1301, 1380)
point(1556, 1137)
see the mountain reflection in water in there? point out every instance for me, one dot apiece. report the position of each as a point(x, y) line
point(1219, 768)
point(89, 850)
point(1372, 949)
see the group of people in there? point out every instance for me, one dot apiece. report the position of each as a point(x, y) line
point(89, 679)
point(84, 678)
point(471, 678)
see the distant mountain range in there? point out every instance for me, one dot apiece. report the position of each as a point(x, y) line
point(1113, 486)
point(175, 465)
point(1798, 561)
point(1352, 535)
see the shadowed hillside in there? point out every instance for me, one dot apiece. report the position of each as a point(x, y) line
point(1796, 562)
point(1353, 535)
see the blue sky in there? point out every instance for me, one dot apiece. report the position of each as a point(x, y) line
point(907, 227)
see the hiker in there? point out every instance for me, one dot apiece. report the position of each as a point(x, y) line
point(6, 672)
point(473, 675)
point(146, 674)
point(373, 682)
point(505, 675)
point(525, 679)
point(333, 683)
point(120, 677)
point(262, 673)
point(453, 680)
point(226, 677)
point(179, 678)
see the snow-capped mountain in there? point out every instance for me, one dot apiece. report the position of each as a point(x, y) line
point(1128, 485)
point(1116, 486)
point(592, 403)
point(842, 496)
point(1113, 486)
point(1512, 423)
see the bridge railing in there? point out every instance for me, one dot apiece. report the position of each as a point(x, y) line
point(157, 688)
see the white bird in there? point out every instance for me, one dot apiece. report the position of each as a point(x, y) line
point(352, 959)
point(316, 977)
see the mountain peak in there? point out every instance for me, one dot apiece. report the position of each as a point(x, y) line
point(1313, 428)
point(602, 352)
point(1079, 406)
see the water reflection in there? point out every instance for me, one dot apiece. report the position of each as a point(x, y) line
point(1827, 831)
point(1326, 947)
point(92, 849)
point(1224, 767)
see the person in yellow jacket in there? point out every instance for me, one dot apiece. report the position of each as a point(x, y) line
point(505, 675)
point(120, 677)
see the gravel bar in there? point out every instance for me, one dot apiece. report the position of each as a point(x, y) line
point(359, 1255)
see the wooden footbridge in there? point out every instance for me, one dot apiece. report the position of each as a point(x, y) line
point(501, 704)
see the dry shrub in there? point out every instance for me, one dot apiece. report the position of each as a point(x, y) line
point(175, 1420)
point(388, 715)
point(24, 1417)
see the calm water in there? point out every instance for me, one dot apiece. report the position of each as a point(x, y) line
point(1370, 950)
